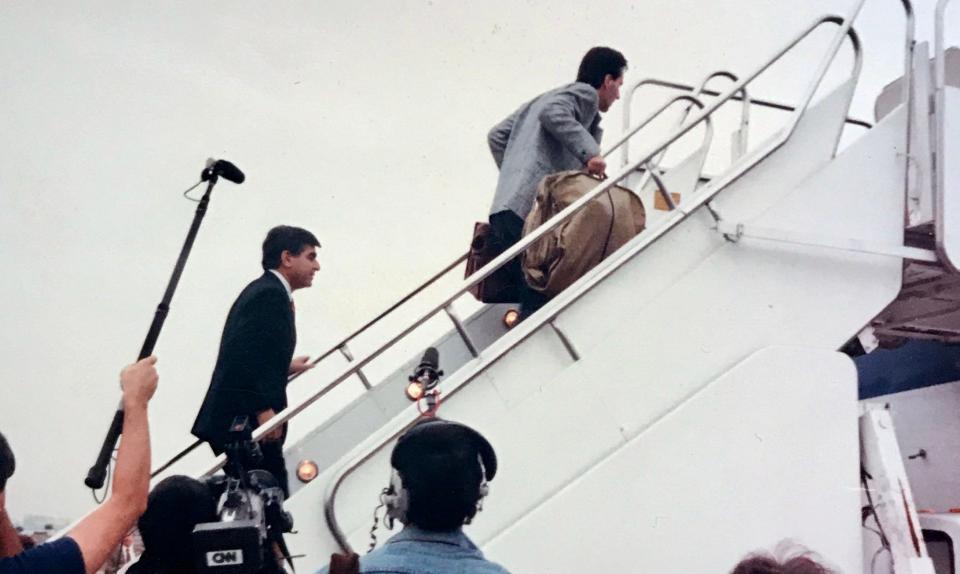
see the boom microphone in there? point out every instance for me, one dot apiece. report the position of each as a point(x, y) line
point(427, 372)
point(225, 169)
point(98, 472)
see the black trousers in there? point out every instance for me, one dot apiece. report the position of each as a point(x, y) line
point(508, 228)
point(273, 462)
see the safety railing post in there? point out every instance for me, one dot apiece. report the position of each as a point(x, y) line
point(458, 325)
point(345, 351)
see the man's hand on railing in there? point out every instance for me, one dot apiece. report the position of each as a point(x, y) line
point(300, 364)
point(597, 166)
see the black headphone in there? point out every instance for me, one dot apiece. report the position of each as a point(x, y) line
point(396, 497)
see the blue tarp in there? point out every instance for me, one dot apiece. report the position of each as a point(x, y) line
point(915, 364)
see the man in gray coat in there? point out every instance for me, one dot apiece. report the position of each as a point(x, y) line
point(556, 131)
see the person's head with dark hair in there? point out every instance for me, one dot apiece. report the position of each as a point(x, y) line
point(291, 251)
point(174, 507)
point(443, 467)
point(603, 68)
point(789, 560)
point(8, 463)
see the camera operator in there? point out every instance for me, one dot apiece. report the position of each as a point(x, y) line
point(88, 544)
point(439, 479)
point(175, 506)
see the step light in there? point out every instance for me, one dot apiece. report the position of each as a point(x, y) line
point(511, 318)
point(414, 391)
point(307, 470)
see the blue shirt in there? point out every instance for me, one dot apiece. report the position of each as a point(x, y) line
point(416, 551)
point(58, 557)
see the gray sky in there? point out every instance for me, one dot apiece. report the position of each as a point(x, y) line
point(364, 122)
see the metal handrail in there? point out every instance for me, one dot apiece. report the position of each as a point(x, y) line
point(940, 85)
point(702, 90)
point(939, 65)
point(625, 154)
point(569, 296)
point(757, 101)
point(650, 166)
point(450, 266)
point(691, 101)
point(908, 54)
point(744, 129)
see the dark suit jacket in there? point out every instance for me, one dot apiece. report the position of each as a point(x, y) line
point(255, 352)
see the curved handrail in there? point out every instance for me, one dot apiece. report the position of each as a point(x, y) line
point(939, 65)
point(650, 172)
point(744, 129)
point(654, 164)
point(745, 112)
point(565, 298)
point(754, 101)
point(650, 166)
point(691, 101)
point(908, 54)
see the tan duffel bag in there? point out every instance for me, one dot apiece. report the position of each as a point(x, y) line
point(577, 245)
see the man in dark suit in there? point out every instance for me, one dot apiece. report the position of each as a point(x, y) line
point(256, 348)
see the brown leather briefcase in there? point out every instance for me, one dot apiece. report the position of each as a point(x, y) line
point(499, 287)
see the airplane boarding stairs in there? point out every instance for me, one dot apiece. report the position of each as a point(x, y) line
point(684, 392)
point(638, 443)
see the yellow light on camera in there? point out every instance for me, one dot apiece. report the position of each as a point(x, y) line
point(307, 470)
point(511, 318)
point(414, 391)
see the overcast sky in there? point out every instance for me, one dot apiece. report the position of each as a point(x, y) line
point(362, 121)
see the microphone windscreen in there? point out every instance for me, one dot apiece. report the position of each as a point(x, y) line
point(228, 171)
point(431, 358)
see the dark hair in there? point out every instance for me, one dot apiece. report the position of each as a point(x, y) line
point(598, 62)
point(8, 463)
point(174, 507)
point(439, 463)
point(761, 563)
point(285, 238)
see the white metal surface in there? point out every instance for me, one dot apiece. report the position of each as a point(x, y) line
point(890, 492)
point(927, 419)
point(767, 451)
point(948, 211)
point(920, 193)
